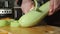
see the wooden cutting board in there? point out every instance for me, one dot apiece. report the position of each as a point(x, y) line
point(34, 30)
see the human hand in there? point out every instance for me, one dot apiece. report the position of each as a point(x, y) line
point(54, 6)
point(26, 5)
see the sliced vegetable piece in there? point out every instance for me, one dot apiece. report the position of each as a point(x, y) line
point(14, 24)
point(3, 23)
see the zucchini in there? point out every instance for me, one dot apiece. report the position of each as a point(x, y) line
point(3, 23)
point(14, 24)
point(34, 16)
point(9, 21)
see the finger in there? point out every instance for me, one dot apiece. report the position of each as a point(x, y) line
point(51, 3)
point(26, 6)
point(57, 5)
point(51, 11)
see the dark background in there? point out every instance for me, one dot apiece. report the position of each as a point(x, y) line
point(53, 19)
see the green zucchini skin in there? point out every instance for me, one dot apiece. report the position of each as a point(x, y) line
point(14, 24)
point(3, 23)
point(34, 16)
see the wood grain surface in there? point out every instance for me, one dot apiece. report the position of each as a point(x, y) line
point(33, 30)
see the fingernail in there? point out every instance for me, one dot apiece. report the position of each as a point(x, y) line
point(50, 12)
